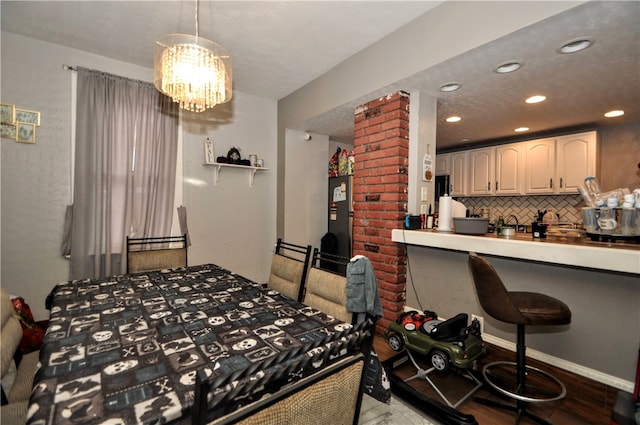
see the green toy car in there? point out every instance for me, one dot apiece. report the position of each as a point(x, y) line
point(444, 343)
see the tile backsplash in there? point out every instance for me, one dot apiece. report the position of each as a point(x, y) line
point(525, 208)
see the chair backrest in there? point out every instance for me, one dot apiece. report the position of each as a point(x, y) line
point(11, 333)
point(156, 253)
point(332, 393)
point(327, 290)
point(492, 294)
point(289, 267)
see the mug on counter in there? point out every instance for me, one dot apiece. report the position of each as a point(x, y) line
point(607, 220)
point(539, 230)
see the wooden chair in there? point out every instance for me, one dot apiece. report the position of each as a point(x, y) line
point(289, 267)
point(14, 404)
point(156, 253)
point(326, 290)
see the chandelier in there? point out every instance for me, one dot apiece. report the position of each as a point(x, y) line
point(193, 71)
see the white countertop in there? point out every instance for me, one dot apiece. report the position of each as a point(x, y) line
point(524, 247)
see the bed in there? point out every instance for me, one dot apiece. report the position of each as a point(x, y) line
point(199, 344)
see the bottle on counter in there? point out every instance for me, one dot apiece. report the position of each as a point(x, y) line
point(500, 222)
point(550, 217)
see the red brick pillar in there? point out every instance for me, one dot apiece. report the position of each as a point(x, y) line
point(381, 150)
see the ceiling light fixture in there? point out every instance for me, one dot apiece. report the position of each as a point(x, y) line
point(535, 99)
point(193, 71)
point(508, 67)
point(453, 119)
point(521, 129)
point(575, 45)
point(450, 87)
point(616, 113)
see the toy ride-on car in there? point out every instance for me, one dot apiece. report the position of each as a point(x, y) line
point(443, 342)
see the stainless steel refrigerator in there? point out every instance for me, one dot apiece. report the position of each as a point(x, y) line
point(340, 208)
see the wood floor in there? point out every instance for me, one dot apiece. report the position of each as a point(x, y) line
point(587, 402)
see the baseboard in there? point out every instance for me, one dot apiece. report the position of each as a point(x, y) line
point(580, 370)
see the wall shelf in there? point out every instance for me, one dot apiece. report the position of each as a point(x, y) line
point(217, 166)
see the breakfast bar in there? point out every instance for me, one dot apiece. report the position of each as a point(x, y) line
point(599, 281)
point(614, 257)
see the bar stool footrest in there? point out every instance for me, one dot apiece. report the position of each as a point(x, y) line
point(530, 393)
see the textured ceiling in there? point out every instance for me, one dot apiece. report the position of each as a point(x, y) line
point(278, 47)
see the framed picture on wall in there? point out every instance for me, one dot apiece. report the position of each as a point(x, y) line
point(7, 114)
point(8, 131)
point(30, 117)
point(25, 132)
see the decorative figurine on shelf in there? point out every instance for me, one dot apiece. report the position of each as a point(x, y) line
point(233, 156)
point(209, 152)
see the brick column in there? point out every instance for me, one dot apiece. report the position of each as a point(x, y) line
point(381, 150)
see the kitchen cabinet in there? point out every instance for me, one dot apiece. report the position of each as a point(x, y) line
point(559, 165)
point(496, 171)
point(540, 166)
point(442, 164)
point(481, 171)
point(575, 160)
point(458, 173)
point(509, 173)
point(551, 166)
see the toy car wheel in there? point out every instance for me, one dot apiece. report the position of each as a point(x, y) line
point(395, 342)
point(439, 360)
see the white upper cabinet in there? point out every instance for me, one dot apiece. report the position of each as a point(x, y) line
point(575, 159)
point(560, 165)
point(556, 165)
point(458, 173)
point(509, 169)
point(442, 164)
point(540, 166)
point(481, 171)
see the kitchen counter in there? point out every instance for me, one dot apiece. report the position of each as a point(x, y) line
point(583, 253)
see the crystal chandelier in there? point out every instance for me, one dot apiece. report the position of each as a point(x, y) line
point(193, 71)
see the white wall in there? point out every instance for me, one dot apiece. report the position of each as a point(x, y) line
point(305, 186)
point(230, 224)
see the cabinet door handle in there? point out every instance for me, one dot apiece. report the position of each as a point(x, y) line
point(496, 185)
point(550, 183)
point(560, 182)
point(489, 187)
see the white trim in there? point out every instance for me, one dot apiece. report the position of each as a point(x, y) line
point(589, 373)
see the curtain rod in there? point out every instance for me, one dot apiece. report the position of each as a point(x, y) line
point(69, 67)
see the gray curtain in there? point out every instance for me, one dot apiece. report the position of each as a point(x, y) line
point(125, 168)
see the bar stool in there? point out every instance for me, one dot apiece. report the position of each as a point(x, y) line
point(521, 309)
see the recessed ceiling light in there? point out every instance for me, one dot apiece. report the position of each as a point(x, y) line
point(453, 119)
point(507, 67)
point(611, 114)
point(521, 129)
point(536, 99)
point(574, 46)
point(450, 87)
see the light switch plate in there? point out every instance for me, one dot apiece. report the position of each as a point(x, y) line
point(424, 194)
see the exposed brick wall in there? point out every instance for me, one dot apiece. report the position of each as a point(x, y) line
point(381, 150)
